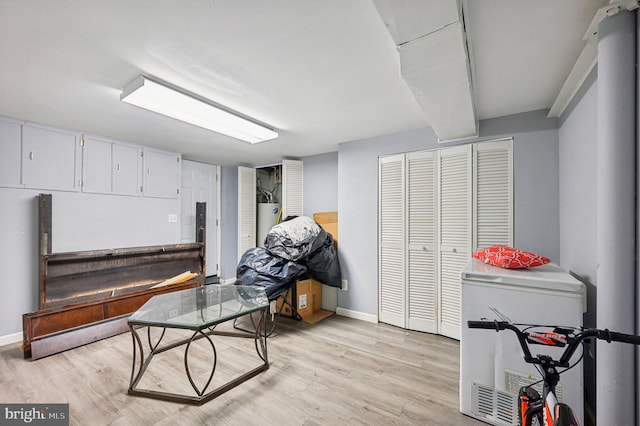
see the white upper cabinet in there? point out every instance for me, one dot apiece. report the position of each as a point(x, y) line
point(96, 165)
point(110, 167)
point(50, 158)
point(161, 174)
point(10, 147)
point(127, 168)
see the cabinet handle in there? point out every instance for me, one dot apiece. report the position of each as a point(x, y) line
point(31, 155)
point(148, 170)
point(118, 167)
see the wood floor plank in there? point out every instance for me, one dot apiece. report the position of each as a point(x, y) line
point(340, 371)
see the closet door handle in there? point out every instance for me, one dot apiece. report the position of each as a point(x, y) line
point(31, 156)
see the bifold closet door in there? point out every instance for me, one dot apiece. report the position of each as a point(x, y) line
point(493, 177)
point(292, 188)
point(454, 232)
point(246, 209)
point(421, 241)
point(391, 241)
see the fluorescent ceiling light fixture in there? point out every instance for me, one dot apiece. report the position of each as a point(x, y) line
point(173, 103)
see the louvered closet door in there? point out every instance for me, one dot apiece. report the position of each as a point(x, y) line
point(493, 177)
point(391, 241)
point(292, 188)
point(421, 235)
point(246, 209)
point(454, 232)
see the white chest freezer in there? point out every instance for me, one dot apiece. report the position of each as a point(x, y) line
point(492, 369)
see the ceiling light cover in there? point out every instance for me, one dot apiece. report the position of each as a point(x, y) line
point(148, 94)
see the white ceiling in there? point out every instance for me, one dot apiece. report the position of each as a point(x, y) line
point(321, 72)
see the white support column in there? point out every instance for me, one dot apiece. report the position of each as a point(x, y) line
point(616, 216)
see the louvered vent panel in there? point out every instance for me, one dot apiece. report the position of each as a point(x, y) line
point(391, 282)
point(494, 203)
point(292, 171)
point(422, 276)
point(506, 407)
point(494, 406)
point(455, 200)
point(421, 200)
point(484, 400)
point(391, 204)
point(451, 265)
point(247, 210)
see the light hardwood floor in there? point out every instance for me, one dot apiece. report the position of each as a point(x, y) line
point(339, 371)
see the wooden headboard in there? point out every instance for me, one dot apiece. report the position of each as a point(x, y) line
point(85, 296)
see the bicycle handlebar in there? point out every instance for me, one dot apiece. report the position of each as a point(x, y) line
point(609, 336)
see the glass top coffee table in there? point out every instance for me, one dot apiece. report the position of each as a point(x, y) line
point(199, 310)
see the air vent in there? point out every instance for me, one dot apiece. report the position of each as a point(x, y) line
point(494, 406)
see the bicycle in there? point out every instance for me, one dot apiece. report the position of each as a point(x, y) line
point(545, 409)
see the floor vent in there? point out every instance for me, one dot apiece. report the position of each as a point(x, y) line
point(494, 406)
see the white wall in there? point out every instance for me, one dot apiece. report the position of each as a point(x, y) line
point(79, 222)
point(320, 183)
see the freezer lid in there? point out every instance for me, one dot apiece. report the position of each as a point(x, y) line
point(548, 277)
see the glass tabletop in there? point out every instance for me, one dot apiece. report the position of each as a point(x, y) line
point(200, 307)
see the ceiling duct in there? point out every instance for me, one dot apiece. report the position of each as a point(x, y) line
point(434, 62)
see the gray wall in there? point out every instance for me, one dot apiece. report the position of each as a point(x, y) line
point(578, 197)
point(320, 183)
point(578, 206)
point(536, 200)
point(80, 222)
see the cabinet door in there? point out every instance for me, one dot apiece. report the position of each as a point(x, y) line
point(421, 235)
point(127, 164)
point(292, 188)
point(391, 241)
point(49, 158)
point(10, 146)
point(493, 178)
point(96, 165)
point(246, 209)
point(160, 174)
point(454, 236)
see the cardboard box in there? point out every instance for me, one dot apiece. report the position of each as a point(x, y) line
point(329, 222)
point(307, 297)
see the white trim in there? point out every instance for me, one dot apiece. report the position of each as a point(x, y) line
point(10, 339)
point(227, 280)
point(357, 315)
point(218, 219)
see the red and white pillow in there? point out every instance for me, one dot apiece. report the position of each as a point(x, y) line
point(509, 257)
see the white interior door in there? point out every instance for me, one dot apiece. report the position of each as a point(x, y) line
point(422, 281)
point(454, 232)
point(292, 188)
point(391, 241)
point(246, 209)
point(199, 184)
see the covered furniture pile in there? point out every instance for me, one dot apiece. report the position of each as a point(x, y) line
point(295, 249)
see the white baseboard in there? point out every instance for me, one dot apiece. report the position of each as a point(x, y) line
point(10, 339)
point(227, 280)
point(357, 315)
